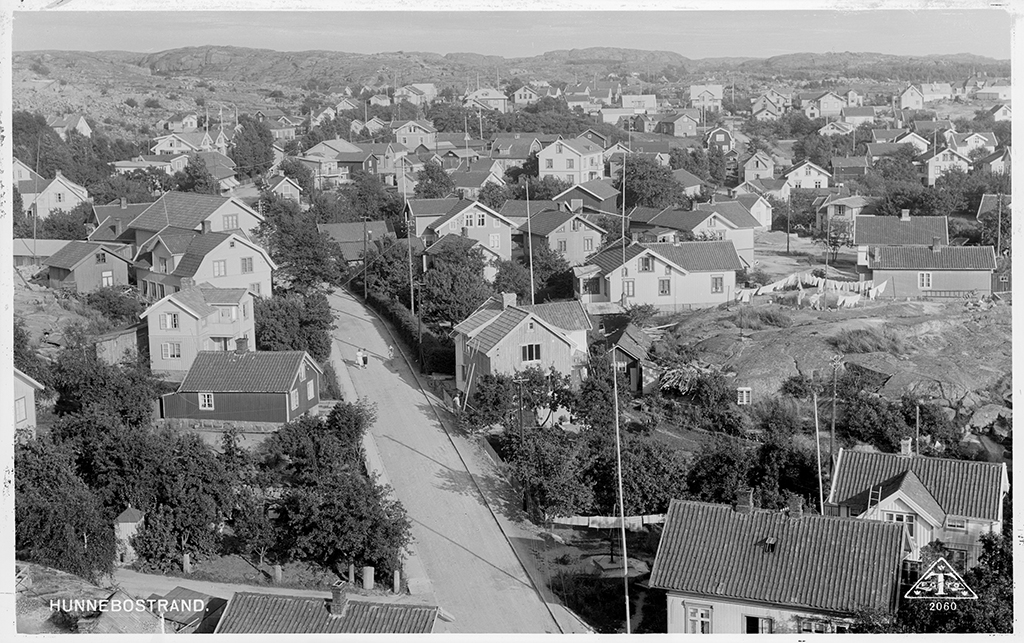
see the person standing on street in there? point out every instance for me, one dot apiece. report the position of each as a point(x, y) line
point(391, 352)
point(366, 359)
point(359, 358)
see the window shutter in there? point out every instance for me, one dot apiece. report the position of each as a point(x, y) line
point(525, 353)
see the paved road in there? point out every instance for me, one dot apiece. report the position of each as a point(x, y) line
point(474, 571)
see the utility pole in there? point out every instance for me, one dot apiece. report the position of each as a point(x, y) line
point(999, 223)
point(622, 502)
point(365, 296)
point(529, 238)
point(817, 447)
point(917, 431)
point(836, 362)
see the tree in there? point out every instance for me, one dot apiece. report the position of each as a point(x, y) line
point(815, 148)
point(255, 532)
point(493, 195)
point(196, 177)
point(838, 234)
point(138, 186)
point(548, 462)
point(874, 420)
point(716, 165)
point(647, 183)
point(454, 287)
point(552, 274)
point(540, 189)
point(718, 471)
point(696, 162)
point(306, 258)
point(651, 475)
point(252, 147)
point(300, 173)
point(65, 225)
point(388, 269)
point(432, 182)
point(58, 521)
point(115, 305)
point(26, 357)
point(513, 277)
point(367, 197)
point(293, 321)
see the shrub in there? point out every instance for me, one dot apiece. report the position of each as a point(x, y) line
point(755, 319)
point(40, 68)
point(172, 96)
point(819, 273)
point(868, 340)
point(753, 277)
point(200, 101)
point(641, 314)
point(438, 355)
point(131, 102)
point(116, 305)
point(152, 103)
point(277, 93)
point(332, 388)
point(63, 82)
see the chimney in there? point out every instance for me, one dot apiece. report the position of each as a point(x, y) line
point(124, 203)
point(339, 601)
point(508, 299)
point(904, 215)
point(242, 345)
point(187, 282)
point(877, 252)
point(57, 174)
point(796, 507)
point(465, 231)
point(936, 244)
point(206, 227)
point(905, 446)
point(745, 501)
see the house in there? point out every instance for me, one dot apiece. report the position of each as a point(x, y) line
point(462, 140)
point(597, 196)
point(82, 267)
point(836, 128)
point(576, 161)
point(997, 162)
point(412, 134)
point(953, 501)
point(853, 99)
point(758, 207)
point(857, 116)
point(935, 271)
point(435, 218)
point(189, 611)
point(515, 210)
point(825, 105)
point(325, 169)
point(931, 92)
point(513, 151)
point(112, 346)
point(706, 97)
point(112, 223)
point(777, 188)
point(844, 208)
point(630, 355)
point(348, 163)
point(246, 386)
point(995, 92)
point(1001, 112)
point(345, 105)
point(196, 318)
point(870, 231)
point(731, 221)
point(502, 337)
point(285, 187)
point(911, 98)
point(350, 236)
point(645, 102)
point(63, 124)
point(567, 233)
point(178, 258)
point(24, 398)
point(332, 147)
point(318, 116)
point(190, 211)
point(595, 137)
point(221, 167)
point(488, 98)
point(468, 184)
point(42, 198)
point(34, 252)
point(525, 95)
point(850, 167)
point(759, 166)
point(454, 244)
point(372, 126)
point(876, 151)
point(806, 175)
point(680, 124)
point(744, 570)
point(670, 276)
point(887, 135)
point(964, 144)
point(932, 165)
point(268, 114)
point(126, 525)
point(252, 613)
point(182, 122)
point(920, 143)
point(691, 183)
point(767, 111)
point(380, 100)
point(182, 142)
point(719, 137)
point(993, 204)
point(927, 129)
point(169, 163)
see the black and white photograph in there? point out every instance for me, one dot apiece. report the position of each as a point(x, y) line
point(508, 320)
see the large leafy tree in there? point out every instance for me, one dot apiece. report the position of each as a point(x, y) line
point(294, 321)
point(300, 173)
point(138, 186)
point(718, 471)
point(62, 224)
point(388, 269)
point(716, 165)
point(306, 257)
point(367, 197)
point(549, 464)
point(432, 182)
point(252, 147)
point(512, 277)
point(494, 195)
point(195, 178)
point(540, 189)
point(454, 287)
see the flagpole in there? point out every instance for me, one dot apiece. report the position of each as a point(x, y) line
point(622, 504)
point(817, 446)
point(529, 236)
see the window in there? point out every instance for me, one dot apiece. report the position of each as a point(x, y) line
point(668, 269)
point(162, 265)
point(168, 320)
point(757, 625)
point(494, 241)
point(807, 171)
point(570, 164)
point(646, 264)
point(230, 222)
point(310, 390)
point(743, 396)
point(245, 310)
point(162, 291)
point(664, 287)
point(531, 352)
point(206, 401)
point(717, 283)
point(465, 372)
point(467, 220)
point(628, 288)
point(924, 280)
point(719, 137)
point(145, 289)
point(107, 278)
point(711, 222)
point(558, 149)
point(561, 245)
point(481, 220)
point(246, 265)
point(905, 519)
point(840, 210)
point(20, 410)
point(959, 524)
point(293, 398)
point(698, 620)
point(405, 141)
point(220, 268)
point(451, 224)
point(958, 559)
point(817, 184)
point(588, 244)
point(101, 257)
point(255, 288)
point(60, 197)
point(170, 350)
point(817, 627)
point(548, 164)
point(497, 224)
point(228, 314)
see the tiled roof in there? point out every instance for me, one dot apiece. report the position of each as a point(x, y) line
point(252, 613)
point(192, 299)
point(936, 151)
point(177, 242)
point(909, 484)
point(567, 315)
point(733, 211)
point(859, 111)
point(961, 487)
point(929, 126)
point(583, 146)
point(851, 161)
point(516, 208)
point(819, 563)
point(600, 188)
point(460, 206)
point(748, 200)
point(883, 149)
point(215, 296)
point(130, 514)
point(37, 247)
point(74, 252)
point(200, 246)
point(469, 179)
point(180, 597)
point(894, 231)
point(679, 219)
point(248, 372)
point(123, 621)
point(178, 209)
point(632, 340)
point(482, 315)
point(518, 148)
point(611, 257)
point(451, 241)
point(699, 256)
point(644, 214)
point(924, 258)
point(803, 164)
point(544, 223)
point(686, 179)
point(1003, 154)
point(431, 207)
point(495, 331)
point(990, 203)
point(353, 232)
point(213, 157)
point(886, 135)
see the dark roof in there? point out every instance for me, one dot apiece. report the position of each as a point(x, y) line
point(74, 252)
point(600, 188)
point(182, 596)
point(820, 563)
point(215, 296)
point(454, 241)
point(990, 203)
point(469, 179)
point(611, 257)
point(516, 208)
point(748, 200)
point(544, 223)
point(193, 299)
point(460, 206)
point(924, 258)
point(632, 340)
point(498, 328)
point(353, 232)
point(699, 256)
point(733, 211)
point(686, 179)
point(487, 311)
point(894, 231)
point(179, 210)
point(432, 207)
point(252, 613)
point(887, 135)
point(679, 219)
point(567, 315)
point(859, 111)
point(910, 485)
point(849, 161)
point(644, 214)
point(248, 372)
point(884, 149)
point(200, 246)
point(130, 514)
point(960, 487)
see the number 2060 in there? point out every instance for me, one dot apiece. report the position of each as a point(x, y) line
point(941, 606)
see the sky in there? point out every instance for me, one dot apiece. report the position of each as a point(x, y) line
point(694, 34)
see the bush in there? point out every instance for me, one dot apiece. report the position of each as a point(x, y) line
point(756, 277)
point(641, 314)
point(115, 304)
point(131, 102)
point(755, 319)
point(332, 388)
point(172, 96)
point(152, 103)
point(438, 355)
point(277, 93)
point(40, 68)
point(200, 101)
point(868, 340)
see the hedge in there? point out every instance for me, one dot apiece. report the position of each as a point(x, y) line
point(438, 353)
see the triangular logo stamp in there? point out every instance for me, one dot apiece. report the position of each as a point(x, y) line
point(941, 581)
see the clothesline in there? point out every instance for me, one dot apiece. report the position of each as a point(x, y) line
point(849, 292)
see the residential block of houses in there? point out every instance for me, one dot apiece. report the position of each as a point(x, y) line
point(63, 124)
point(937, 271)
point(198, 318)
point(576, 161)
point(435, 218)
point(412, 134)
point(41, 197)
point(931, 165)
point(759, 166)
point(82, 267)
point(871, 231)
point(598, 195)
point(567, 233)
point(806, 175)
point(706, 97)
point(198, 212)
point(721, 138)
point(911, 98)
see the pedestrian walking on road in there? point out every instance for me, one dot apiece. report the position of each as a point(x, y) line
point(360, 357)
point(391, 352)
point(366, 359)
